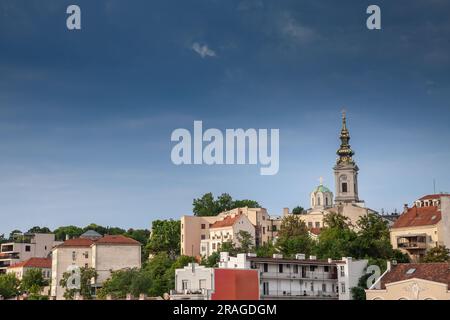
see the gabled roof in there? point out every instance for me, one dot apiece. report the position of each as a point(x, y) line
point(117, 239)
point(437, 272)
point(226, 222)
point(418, 216)
point(76, 242)
point(34, 263)
point(91, 234)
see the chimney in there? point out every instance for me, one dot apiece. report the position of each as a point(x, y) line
point(405, 207)
point(300, 256)
point(285, 212)
point(312, 257)
point(67, 237)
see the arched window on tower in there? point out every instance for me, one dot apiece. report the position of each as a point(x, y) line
point(318, 201)
point(326, 201)
point(344, 187)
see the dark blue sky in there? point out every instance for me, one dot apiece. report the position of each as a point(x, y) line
point(86, 116)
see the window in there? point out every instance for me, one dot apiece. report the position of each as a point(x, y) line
point(266, 267)
point(312, 268)
point(312, 286)
point(214, 246)
point(184, 285)
point(295, 268)
point(203, 226)
point(310, 224)
point(324, 287)
point(344, 187)
point(326, 201)
point(86, 254)
point(342, 271)
point(86, 265)
point(342, 287)
point(74, 255)
point(280, 268)
point(317, 224)
point(326, 269)
point(318, 201)
point(27, 248)
point(202, 284)
point(274, 228)
point(264, 230)
point(203, 237)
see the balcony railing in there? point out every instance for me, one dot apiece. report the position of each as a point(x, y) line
point(412, 245)
point(309, 275)
point(300, 294)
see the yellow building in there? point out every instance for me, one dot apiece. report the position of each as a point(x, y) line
point(422, 227)
point(412, 281)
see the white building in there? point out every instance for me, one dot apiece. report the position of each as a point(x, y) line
point(104, 254)
point(300, 278)
point(193, 282)
point(226, 230)
point(26, 246)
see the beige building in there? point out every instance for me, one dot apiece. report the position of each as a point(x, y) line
point(195, 229)
point(423, 226)
point(104, 254)
point(26, 246)
point(412, 281)
point(44, 264)
point(226, 230)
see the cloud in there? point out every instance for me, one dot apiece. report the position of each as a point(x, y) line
point(203, 50)
point(296, 31)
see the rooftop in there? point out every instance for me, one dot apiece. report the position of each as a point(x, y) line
point(34, 263)
point(226, 222)
point(434, 196)
point(418, 216)
point(437, 272)
point(108, 239)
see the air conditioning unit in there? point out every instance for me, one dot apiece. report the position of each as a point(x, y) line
point(312, 258)
point(277, 256)
point(300, 256)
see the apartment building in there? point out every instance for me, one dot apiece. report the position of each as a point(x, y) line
point(195, 282)
point(195, 229)
point(423, 226)
point(300, 278)
point(26, 246)
point(226, 230)
point(104, 254)
point(412, 281)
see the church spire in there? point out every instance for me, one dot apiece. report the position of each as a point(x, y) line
point(345, 153)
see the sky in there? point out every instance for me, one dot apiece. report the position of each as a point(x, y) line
point(86, 116)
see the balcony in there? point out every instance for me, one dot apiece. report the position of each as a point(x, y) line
point(299, 295)
point(412, 241)
point(309, 275)
point(9, 256)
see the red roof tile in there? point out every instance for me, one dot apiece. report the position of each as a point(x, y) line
point(437, 272)
point(434, 196)
point(34, 263)
point(117, 239)
point(226, 222)
point(418, 216)
point(77, 242)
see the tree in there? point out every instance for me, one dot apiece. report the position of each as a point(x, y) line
point(86, 275)
point(122, 282)
point(245, 241)
point(298, 210)
point(212, 261)
point(157, 268)
point(437, 254)
point(293, 236)
point(208, 206)
point(266, 250)
point(165, 237)
point(33, 280)
point(70, 231)
point(14, 234)
point(9, 285)
point(336, 238)
point(38, 229)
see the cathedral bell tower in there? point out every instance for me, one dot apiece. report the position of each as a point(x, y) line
point(345, 170)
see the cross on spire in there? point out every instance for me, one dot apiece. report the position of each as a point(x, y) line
point(321, 180)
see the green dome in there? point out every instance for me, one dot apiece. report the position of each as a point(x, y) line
point(322, 188)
